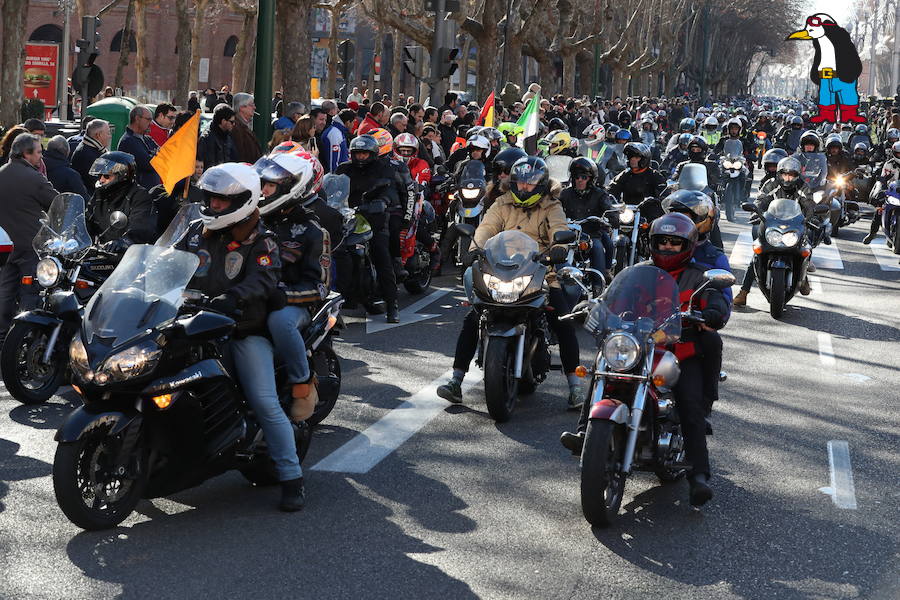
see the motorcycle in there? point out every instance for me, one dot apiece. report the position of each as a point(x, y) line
point(580, 256)
point(814, 172)
point(467, 207)
point(35, 351)
point(782, 252)
point(843, 212)
point(161, 414)
point(734, 173)
point(633, 424)
point(416, 256)
point(506, 285)
point(762, 144)
point(891, 227)
point(630, 238)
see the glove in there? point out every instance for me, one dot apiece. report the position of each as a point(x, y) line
point(225, 304)
point(118, 246)
point(712, 318)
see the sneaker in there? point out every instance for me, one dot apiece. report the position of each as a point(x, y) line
point(869, 238)
point(573, 442)
point(576, 398)
point(451, 391)
point(741, 298)
point(804, 287)
point(700, 492)
point(293, 495)
point(811, 267)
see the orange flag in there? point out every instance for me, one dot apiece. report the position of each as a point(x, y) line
point(177, 157)
point(486, 117)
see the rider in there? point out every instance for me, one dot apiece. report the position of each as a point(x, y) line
point(839, 162)
point(559, 143)
point(511, 133)
point(584, 198)
point(698, 151)
point(678, 154)
point(672, 241)
point(117, 190)
point(530, 206)
point(476, 148)
point(711, 131)
point(787, 184)
point(786, 135)
point(599, 150)
point(770, 162)
point(890, 172)
point(239, 268)
point(290, 180)
point(638, 181)
point(499, 183)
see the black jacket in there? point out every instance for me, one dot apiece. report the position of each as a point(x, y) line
point(770, 191)
point(63, 177)
point(82, 160)
point(305, 249)
point(837, 165)
point(215, 147)
point(137, 205)
point(633, 187)
point(242, 262)
point(167, 206)
point(394, 187)
point(330, 219)
point(142, 148)
point(592, 201)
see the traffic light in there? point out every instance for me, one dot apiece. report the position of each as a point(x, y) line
point(90, 32)
point(414, 60)
point(447, 62)
point(345, 55)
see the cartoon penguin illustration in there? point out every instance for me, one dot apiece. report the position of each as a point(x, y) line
point(836, 68)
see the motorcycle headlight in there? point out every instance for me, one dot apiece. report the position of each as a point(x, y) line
point(773, 237)
point(78, 358)
point(621, 351)
point(626, 217)
point(470, 193)
point(839, 181)
point(818, 196)
point(131, 362)
point(506, 291)
point(790, 238)
point(48, 271)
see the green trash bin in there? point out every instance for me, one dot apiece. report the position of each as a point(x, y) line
point(115, 110)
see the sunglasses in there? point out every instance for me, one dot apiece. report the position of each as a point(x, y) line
point(582, 176)
point(665, 240)
point(406, 152)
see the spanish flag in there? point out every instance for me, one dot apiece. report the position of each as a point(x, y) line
point(177, 157)
point(486, 117)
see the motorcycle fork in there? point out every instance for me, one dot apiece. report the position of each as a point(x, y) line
point(51, 343)
point(637, 413)
point(520, 353)
point(635, 232)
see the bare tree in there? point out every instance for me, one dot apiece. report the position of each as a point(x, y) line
point(296, 50)
point(185, 51)
point(142, 60)
point(12, 57)
point(244, 52)
point(124, 45)
point(336, 10)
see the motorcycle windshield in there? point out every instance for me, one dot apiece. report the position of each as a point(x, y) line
point(510, 251)
point(814, 168)
point(63, 231)
point(558, 167)
point(693, 177)
point(337, 191)
point(186, 215)
point(783, 209)
point(640, 298)
point(733, 148)
point(473, 173)
point(143, 292)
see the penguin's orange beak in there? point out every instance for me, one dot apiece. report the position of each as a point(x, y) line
point(799, 35)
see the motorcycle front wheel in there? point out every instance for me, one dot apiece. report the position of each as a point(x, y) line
point(896, 238)
point(500, 384)
point(730, 201)
point(602, 481)
point(89, 487)
point(777, 293)
point(27, 377)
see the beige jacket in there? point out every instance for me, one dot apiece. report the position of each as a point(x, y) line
point(539, 222)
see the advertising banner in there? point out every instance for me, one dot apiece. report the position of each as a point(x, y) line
point(40, 72)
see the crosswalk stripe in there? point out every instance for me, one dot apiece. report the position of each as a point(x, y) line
point(828, 257)
point(887, 260)
point(742, 251)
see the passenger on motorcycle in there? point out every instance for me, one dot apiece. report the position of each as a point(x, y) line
point(888, 173)
point(239, 268)
point(638, 180)
point(584, 198)
point(531, 206)
point(289, 181)
point(677, 155)
point(787, 184)
point(406, 146)
point(672, 241)
point(499, 183)
point(117, 190)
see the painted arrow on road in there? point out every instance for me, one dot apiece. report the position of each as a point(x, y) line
point(408, 315)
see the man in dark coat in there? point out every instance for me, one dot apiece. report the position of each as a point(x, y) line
point(141, 146)
point(245, 142)
point(216, 145)
point(63, 177)
point(94, 143)
point(28, 194)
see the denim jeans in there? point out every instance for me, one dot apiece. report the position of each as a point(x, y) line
point(601, 252)
point(284, 325)
point(254, 361)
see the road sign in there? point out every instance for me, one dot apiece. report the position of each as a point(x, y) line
point(40, 72)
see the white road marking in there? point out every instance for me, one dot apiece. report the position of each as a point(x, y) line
point(828, 257)
point(857, 377)
point(887, 260)
point(826, 352)
point(408, 315)
point(370, 447)
point(816, 284)
point(842, 490)
point(742, 251)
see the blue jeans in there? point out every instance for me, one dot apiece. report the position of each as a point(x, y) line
point(254, 362)
point(284, 325)
point(834, 91)
point(601, 252)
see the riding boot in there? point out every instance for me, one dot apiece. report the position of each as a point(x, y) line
point(393, 312)
point(305, 396)
point(293, 495)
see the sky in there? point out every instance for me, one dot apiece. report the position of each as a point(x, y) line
point(839, 9)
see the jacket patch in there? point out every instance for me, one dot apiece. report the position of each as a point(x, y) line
point(233, 246)
point(203, 267)
point(233, 263)
point(264, 260)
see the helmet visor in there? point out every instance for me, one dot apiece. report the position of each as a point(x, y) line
point(271, 171)
point(218, 182)
point(104, 166)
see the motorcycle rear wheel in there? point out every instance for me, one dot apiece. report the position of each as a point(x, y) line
point(501, 387)
point(84, 469)
point(419, 282)
point(602, 482)
point(777, 293)
point(24, 374)
point(325, 362)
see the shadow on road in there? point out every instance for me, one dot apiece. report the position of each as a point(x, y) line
point(17, 468)
point(49, 415)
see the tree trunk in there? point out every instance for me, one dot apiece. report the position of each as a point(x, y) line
point(396, 64)
point(546, 74)
point(12, 57)
point(243, 54)
point(296, 50)
point(331, 81)
point(464, 64)
point(487, 65)
point(568, 78)
point(198, 32)
point(142, 60)
point(514, 62)
point(125, 46)
point(183, 40)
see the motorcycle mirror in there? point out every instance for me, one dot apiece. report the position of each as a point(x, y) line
point(719, 278)
point(821, 209)
point(750, 207)
point(464, 229)
point(118, 220)
point(564, 237)
point(570, 274)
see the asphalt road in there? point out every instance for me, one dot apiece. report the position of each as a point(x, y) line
point(443, 503)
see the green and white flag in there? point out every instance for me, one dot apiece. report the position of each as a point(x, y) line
point(530, 122)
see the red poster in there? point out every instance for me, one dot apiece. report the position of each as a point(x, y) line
point(40, 72)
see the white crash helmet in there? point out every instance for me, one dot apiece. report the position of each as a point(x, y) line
point(237, 182)
point(406, 140)
point(298, 175)
point(710, 123)
point(478, 141)
point(594, 134)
